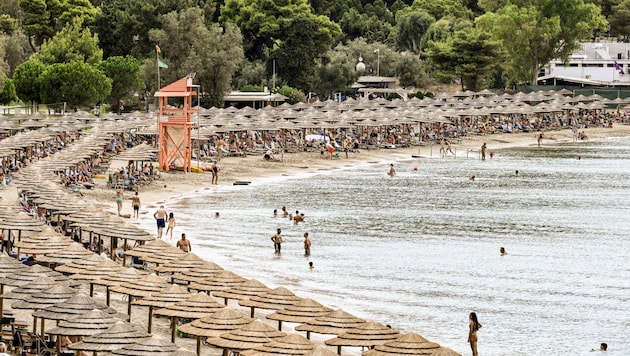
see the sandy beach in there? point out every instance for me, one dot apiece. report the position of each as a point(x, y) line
point(252, 167)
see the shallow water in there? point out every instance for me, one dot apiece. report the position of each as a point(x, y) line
point(420, 251)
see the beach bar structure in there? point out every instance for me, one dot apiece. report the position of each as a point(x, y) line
point(175, 124)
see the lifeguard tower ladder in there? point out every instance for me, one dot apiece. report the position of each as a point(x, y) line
point(175, 124)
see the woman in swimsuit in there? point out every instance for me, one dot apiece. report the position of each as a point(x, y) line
point(474, 325)
point(119, 199)
point(171, 225)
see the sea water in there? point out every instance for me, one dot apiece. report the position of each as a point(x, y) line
point(420, 251)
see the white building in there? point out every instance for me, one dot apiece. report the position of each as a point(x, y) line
point(593, 64)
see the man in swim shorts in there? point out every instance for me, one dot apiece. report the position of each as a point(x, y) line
point(160, 217)
point(135, 203)
point(184, 244)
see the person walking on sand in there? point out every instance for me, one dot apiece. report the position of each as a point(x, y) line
point(171, 225)
point(307, 245)
point(160, 218)
point(473, 327)
point(184, 244)
point(135, 203)
point(483, 152)
point(540, 137)
point(277, 241)
point(119, 199)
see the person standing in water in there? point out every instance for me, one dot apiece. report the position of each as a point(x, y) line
point(119, 199)
point(277, 241)
point(483, 152)
point(391, 172)
point(307, 245)
point(473, 327)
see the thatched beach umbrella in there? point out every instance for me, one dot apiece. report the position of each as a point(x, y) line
point(91, 273)
point(41, 283)
point(143, 287)
point(224, 320)
point(153, 345)
point(21, 222)
point(300, 312)
point(165, 255)
point(322, 351)
point(365, 335)
point(121, 333)
point(25, 276)
point(275, 299)
point(206, 270)
point(127, 274)
point(223, 280)
point(292, 344)
point(43, 246)
point(8, 266)
point(246, 290)
point(51, 296)
point(148, 248)
point(75, 251)
point(198, 306)
point(77, 266)
point(334, 323)
point(167, 296)
point(249, 336)
point(188, 261)
point(90, 323)
point(407, 344)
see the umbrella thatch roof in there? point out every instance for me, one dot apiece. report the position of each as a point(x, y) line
point(41, 283)
point(43, 246)
point(249, 336)
point(188, 261)
point(153, 345)
point(143, 287)
point(198, 306)
point(8, 265)
point(77, 266)
point(200, 273)
point(120, 334)
point(322, 351)
point(76, 305)
point(167, 296)
point(275, 299)
point(126, 275)
point(292, 344)
point(105, 268)
point(148, 248)
point(246, 290)
point(221, 281)
point(406, 344)
point(334, 323)
point(165, 255)
point(301, 312)
point(214, 325)
point(46, 298)
point(25, 276)
point(75, 251)
point(90, 323)
point(22, 222)
point(367, 334)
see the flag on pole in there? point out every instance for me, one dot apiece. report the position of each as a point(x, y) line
point(161, 64)
point(619, 68)
point(157, 49)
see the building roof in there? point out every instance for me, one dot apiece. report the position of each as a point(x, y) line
point(371, 79)
point(583, 81)
point(254, 96)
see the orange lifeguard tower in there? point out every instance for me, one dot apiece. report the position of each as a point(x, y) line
point(175, 124)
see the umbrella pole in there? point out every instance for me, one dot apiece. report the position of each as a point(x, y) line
point(173, 327)
point(198, 345)
point(252, 312)
point(308, 335)
point(150, 318)
point(129, 307)
point(124, 255)
point(338, 350)
point(34, 325)
point(1, 300)
point(91, 289)
point(107, 295)
point(58, 344)
point(279, 325)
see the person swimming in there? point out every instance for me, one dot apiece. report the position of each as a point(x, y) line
point(391, 172)
point(502, 251)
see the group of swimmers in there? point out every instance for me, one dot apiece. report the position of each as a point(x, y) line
point(277, 237)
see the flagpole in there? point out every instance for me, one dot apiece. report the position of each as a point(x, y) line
point(157, 62)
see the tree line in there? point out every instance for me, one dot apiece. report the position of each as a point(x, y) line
point(85, 52)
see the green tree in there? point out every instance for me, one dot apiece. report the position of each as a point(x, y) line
point(444, 8)
point(469, 55)
point(125, 75)
point(8, 94)
point(26, 80)
point(307, 37)
point(534, 32)
point(410, 27)
point(410, 71)
point(250, 73)
point(265, 22)
point(17, 50)
point(619, 25)
point(8, 24)
point(336, 73)
point(76, 83)
point(189, 46)
point(72, 44)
